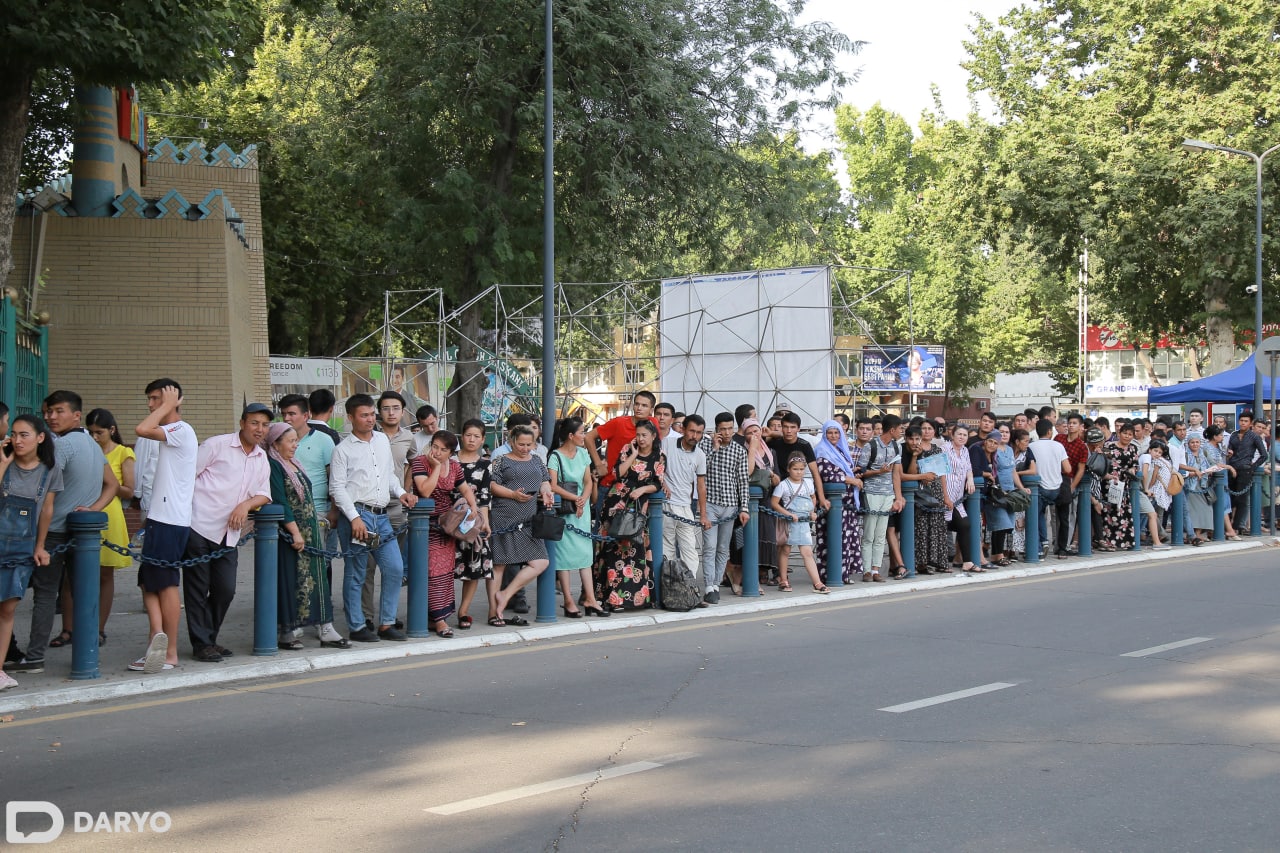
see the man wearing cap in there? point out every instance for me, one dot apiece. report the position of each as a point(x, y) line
point(233, 478)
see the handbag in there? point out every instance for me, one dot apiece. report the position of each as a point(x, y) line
point(458, 522)
point(927, 501)
point(1014, 500)
point(566, 507)
point(1175, 484)
point(629, 524)
point(547, 525)
point(1097, 463)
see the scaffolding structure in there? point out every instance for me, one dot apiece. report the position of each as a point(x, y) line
point(609, 343)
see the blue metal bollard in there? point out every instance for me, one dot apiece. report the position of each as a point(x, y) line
point(547, 579)
point(266, 579)
point(86, 534)
point(656, 501)
point(1084, 514)
point(1032, 523)
point(1178, 509)
point(907, 526)
point(417, 621)
point(1135, 506)
point(1255, 504)
point(1219, 486)
point(973, 506)
point(835, 534)
point(751, 546)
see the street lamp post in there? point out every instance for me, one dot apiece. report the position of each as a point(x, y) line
point(1197, 145)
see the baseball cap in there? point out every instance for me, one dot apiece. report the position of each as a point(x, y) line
point(255, 408)
point(1093, 436)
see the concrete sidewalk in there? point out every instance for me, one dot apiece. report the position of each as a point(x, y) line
point(127, 630)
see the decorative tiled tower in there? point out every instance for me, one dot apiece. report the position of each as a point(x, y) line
point(148, 263)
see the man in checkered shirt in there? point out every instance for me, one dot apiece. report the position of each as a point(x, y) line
point(727, 496)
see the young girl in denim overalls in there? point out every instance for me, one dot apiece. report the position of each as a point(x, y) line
point(794, 497)
point(26, 455)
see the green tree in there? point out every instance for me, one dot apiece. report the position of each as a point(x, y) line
point(653, 101)
point(1096, 96)
point(98, 42)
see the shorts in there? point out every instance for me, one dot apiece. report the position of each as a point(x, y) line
point(161, 542)
point(1144, 503)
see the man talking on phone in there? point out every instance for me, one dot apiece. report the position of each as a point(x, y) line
point(727, 501)
point(618, 433)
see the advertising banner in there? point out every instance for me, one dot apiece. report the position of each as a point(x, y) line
point(892, 369)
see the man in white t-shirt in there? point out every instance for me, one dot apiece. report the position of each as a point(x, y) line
point(1051, 465)
point(168, 521)
point(686, 476)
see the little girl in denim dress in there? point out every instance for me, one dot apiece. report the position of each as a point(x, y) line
point(794, 497)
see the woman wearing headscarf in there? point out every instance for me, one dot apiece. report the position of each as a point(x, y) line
point(760, 470)
point(302, 594)
point(835, 465)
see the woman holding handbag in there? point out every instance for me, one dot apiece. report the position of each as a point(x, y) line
point(519, 482)
point(572, 480)
point(436, 475)
point(623, 575)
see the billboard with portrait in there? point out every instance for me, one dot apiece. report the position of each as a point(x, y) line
point(892, 369)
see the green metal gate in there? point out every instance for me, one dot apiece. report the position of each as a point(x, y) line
point(24, 361)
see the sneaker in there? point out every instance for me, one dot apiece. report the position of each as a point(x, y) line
point(326, 633)
point(365, 635)
point(712, 597)
point(1161, 547)
point(6, 681)
point(392, 633)
point(27, 665)
point(140, 665)
point(157, 650)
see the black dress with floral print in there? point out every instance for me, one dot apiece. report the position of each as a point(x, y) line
point(1117, 521)
point(623, 577)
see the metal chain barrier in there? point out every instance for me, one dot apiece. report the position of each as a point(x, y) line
point(19, 561)
point(181, 564)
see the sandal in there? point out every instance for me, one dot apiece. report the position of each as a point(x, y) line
point(446, 632)
point(497, 622)
point(518, 621)
point(292, 645)
point(783, 586)
point(1197, 542)
point(102, 639)
point(942, 570)
point(821, 590)
point(899, 572)
point(63, 639)
point(464, 622)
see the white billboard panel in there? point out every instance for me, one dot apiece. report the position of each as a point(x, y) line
point(761, 337)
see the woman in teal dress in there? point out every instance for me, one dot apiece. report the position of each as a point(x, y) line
point(302, 592)
point(571, 479)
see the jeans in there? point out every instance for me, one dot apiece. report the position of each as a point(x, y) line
point(715, 544)
point(387, 556)
point(396, 516)
point(45, 583)
point(1047, 498)
point(680, 541)
point(875, 528)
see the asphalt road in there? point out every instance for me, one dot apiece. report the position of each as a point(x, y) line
point(1048, 714)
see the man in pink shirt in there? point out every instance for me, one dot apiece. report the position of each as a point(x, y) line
point(233, 478)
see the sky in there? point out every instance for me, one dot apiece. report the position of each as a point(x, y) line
point(910, 44)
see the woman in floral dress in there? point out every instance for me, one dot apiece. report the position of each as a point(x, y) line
point(437, 475)
point(835, 465)
point(1122, 468)
point(622, 574)
point(932, 542)
point(473, 562)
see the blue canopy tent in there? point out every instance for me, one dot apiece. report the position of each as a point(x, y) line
point(1229, 386)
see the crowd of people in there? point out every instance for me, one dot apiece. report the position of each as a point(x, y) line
point(349, 494)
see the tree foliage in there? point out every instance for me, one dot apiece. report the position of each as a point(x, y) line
point(1096, 97)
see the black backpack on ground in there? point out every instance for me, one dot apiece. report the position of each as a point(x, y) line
point(679, 587)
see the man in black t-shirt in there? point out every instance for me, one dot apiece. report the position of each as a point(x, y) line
point(791, 444)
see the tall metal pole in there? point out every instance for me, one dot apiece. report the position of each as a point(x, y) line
point(548, 244)
point(1257, 300)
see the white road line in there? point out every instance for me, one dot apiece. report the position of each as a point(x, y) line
point(1155, 650)
point(948, 697)
point(554, 785)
